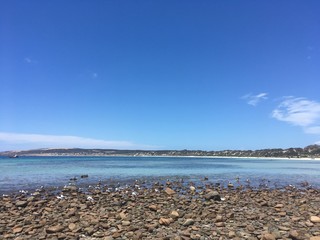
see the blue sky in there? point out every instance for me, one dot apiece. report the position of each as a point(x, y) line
point(207, 75)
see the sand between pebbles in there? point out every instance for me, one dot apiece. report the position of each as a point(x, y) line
point(162, 211)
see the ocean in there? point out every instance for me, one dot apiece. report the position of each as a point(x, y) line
point(26, 173)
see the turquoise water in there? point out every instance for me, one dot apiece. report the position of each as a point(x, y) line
point(33, 172)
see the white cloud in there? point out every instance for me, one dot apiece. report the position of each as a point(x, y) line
point(299, 112)
point(19, 140)
point(255, 99)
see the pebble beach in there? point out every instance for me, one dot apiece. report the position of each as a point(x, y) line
point(167, 210)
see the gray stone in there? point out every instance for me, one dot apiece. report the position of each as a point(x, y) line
point(214, 195)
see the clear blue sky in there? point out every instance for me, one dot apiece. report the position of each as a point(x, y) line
point(207, 75)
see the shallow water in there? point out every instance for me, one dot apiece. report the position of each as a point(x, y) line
point(33, 172)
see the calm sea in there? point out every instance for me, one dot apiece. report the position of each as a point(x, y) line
point(33, 172)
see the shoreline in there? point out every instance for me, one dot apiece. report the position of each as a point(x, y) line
point(168, 156)
point(168, 210)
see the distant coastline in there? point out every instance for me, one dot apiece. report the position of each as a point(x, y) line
point(311, 152)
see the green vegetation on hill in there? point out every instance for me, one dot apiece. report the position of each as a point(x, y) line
point(311, 151)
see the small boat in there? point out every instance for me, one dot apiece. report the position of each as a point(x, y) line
point(14, 156)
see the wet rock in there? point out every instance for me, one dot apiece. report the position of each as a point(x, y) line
point(214, 195)
point(70, 188)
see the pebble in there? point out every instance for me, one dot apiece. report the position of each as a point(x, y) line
point(169, 191)
point(315, 219)
point(214, 195)
point(188, 222)
point(315, 238)
point(268, 236)
point(162, 212)
point(174, 214)
point(21, 203)
point(17, 230)
point(126, 223)
point(165, 221)
point(54, 229)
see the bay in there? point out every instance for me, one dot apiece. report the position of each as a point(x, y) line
point(33, 172)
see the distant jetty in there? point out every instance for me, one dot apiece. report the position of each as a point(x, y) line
point(311, 151)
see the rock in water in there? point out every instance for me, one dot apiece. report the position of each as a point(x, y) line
point(212, 195)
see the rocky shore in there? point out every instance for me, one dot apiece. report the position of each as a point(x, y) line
point(169, 210)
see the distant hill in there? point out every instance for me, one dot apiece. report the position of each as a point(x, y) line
point(311, 151)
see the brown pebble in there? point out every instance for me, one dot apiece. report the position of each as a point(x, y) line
point(315, 238)
point(169, 191)
point(54, 229)
point(268, 236)
point(72, 226)
point(174, 214)
point(315, 219)
point(188, 222)
point(165, 221)
point(21, 203)
point(296, 235)
point(17, 230)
